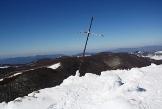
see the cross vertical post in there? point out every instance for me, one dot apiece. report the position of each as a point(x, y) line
point(88, 34)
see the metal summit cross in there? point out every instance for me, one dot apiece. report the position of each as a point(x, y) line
point(88, 33)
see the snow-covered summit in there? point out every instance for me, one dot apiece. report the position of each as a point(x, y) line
point(138, 88)
point(157, 55)
point(158, 52)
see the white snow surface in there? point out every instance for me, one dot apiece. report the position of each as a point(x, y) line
point(138, 88)
point(11, 76)
point(55, 66)
point(158, 52)
point(4, 67)
point(156, 57)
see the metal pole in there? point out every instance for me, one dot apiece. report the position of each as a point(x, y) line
point(88, 34)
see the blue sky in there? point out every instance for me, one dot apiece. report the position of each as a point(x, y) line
point(30, 27)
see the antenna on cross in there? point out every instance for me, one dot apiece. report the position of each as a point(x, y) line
point(88, 33)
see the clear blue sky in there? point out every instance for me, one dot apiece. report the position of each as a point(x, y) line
point(29, 27)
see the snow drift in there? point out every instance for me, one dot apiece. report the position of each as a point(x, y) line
point(55, 66)
point(138, 88)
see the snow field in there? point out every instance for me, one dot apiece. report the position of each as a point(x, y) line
point(138, 88)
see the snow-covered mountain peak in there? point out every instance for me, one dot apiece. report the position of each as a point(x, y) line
point(138, 88)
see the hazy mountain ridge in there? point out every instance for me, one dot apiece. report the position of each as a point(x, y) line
point(150, 49)
point(29, 59)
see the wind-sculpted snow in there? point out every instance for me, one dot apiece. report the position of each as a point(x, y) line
point(138, 88)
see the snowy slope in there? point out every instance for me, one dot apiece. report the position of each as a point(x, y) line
point(55, 66)
point(156, 57)
point(138, 88)
point(158, 52)
point(4, 67)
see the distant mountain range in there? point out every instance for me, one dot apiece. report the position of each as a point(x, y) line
point(29, 59)
point(150, 49)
